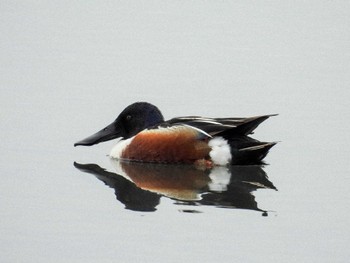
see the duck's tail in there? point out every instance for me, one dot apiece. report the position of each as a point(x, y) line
point(247, 151)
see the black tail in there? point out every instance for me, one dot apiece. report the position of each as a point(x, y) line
point(246, 150)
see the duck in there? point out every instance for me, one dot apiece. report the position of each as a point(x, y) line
point(143, 135)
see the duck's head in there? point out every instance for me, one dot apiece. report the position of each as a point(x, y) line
point(133, 119)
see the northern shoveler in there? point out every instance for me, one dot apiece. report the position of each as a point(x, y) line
point(144, 136)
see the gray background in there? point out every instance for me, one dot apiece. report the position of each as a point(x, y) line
point(68, 68)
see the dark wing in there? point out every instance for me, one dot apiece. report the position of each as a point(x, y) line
point(219, 126)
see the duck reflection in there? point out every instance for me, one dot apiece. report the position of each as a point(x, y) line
point(139, 186)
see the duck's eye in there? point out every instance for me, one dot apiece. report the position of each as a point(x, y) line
point(128, 117)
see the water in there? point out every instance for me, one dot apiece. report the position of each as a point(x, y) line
point(68, 69)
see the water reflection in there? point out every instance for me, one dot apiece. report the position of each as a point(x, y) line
point(139, 186)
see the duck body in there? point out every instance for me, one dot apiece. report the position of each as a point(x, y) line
point(144, 136)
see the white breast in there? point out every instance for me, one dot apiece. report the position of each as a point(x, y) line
point(118, 149)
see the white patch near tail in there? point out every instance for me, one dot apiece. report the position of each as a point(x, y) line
point(220, 151)
point(118, 149)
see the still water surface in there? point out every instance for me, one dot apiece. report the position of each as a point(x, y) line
point(70, 69)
